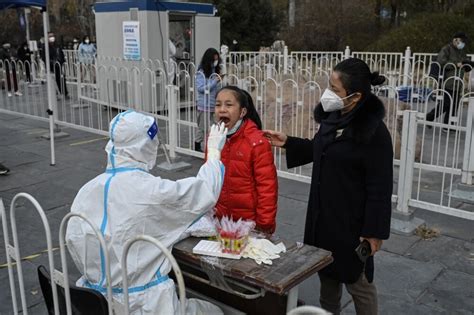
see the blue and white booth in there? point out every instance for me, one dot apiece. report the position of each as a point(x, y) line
point(132, 34)
point(146, 26)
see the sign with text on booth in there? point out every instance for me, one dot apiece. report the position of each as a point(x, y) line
point(131, 40)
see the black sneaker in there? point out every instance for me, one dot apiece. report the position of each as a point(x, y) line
point(3, 170)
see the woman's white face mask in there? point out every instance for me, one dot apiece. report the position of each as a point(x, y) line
point(332, 102)
point(216, 63)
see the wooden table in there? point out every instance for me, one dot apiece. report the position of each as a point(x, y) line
point(274, 287)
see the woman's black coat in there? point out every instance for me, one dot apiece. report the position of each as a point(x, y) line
point(351, 187)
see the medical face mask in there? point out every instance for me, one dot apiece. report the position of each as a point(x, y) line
point(460, 45)
point(235, 128)
point(216, 63)
point(87, 41)
point(52, 39)
point(332, 102)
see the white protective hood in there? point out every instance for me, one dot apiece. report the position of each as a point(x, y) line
point(130, 145)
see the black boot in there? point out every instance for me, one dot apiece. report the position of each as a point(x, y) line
point(197, 146)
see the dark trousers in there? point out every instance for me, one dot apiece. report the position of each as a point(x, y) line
point(364, 295)
point(11, 78)
point(62, 86)
point(445, 106)
point(27, 71)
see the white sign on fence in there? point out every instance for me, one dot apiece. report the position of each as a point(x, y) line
point(131, 40)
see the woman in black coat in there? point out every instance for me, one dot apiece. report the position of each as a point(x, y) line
point(351, 184)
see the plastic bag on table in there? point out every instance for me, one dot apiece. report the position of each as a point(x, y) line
point(204, 226)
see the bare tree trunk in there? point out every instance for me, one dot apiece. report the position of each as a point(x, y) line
point(291, 13)
point(394, 12)
point(377, 9)
point(340, 22)
point(55, 10)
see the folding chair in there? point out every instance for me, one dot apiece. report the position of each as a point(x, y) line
point(83, 300)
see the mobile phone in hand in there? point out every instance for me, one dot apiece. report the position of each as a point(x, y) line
point(363, 251)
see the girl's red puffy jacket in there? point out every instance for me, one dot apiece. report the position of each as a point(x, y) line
point(250, 189)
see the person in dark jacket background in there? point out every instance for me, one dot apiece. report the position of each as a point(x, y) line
point(24, 55)
point(8, 62)
point(451, 59)
point(351, 184)
point(56, 62)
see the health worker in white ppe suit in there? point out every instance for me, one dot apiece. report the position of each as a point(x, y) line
point(127, 201)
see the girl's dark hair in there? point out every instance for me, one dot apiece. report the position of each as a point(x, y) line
point(356, 76)
point(245, 100)
point(207, 61)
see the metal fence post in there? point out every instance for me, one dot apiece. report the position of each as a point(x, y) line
point(224, 61)
point(468, 160)
point(406, 66)
point(9, 253)
point(402, 218)
point(465, 189)
point(173, 123)
point(407, 160)
point(171, 163)
point(14, 250)
point(51, 91)
point(347, 52)
point(285, 60)
point(79, 71)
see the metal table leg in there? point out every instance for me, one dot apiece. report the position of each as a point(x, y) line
point(292, 299)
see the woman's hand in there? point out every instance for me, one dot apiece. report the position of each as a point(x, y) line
point(375, 244)
point(277, 139)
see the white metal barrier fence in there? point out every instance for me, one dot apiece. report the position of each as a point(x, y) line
point(13, 251)
point(285, 102)
point(61, 279)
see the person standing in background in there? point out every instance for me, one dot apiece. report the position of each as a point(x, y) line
point(87, 53)
point(56, 59)
point(450, 59)
point(208, 81)
point(24, 55)
point(10, 70)
point(75, 44)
